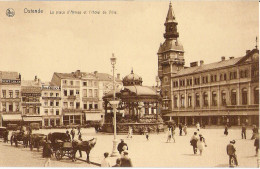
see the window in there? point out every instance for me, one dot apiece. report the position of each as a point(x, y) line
point(17, 93)
point(84, 92)
point(10, 107)
point(4, 93)
point(220, 77)
point(65, 104)
point(57, 103)
point(77, 105)
point(17, 106)
point(96, 106)
point(4, 106)
point(197, 100)
point(64, 82)
point(51, 94)
point(205, 99)
point(225, 76)
point(57, 112)
point(214, 99)
point(51, 111)
point(89, 83)
point(233, 97)
point(84, 83)
point(51, 103)
point(65, 93)
point(85, 106)
point(90, 106)
point(71, 83)
point(95, 93)
point(10, 94)
point(46, 103)
point(77, 92)
point(244, 96)
point(90, 93)
point(45, 94)
point(72, 104)
point(57, 94)
point(197, 81)
point(189, 101)
point(175, 101)
point(71, 92)
point(223, 98)
point(256, 95)
point(182, 101)
point(233, 75)
point(189, 82)
point(46, 111)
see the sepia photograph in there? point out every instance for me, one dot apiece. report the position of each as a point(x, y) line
point(129, 84)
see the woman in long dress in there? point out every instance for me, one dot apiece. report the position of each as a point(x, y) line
point(201, 144)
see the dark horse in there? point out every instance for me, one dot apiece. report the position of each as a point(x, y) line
point(83, 146)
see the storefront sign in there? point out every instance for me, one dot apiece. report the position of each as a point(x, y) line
point(9, 81)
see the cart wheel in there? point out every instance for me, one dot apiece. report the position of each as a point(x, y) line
point(58, 154)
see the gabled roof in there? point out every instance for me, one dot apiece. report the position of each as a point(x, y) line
point(106, 77)
point(65, 75)
point(215, 65)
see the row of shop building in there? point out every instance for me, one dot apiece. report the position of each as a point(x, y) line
point(68, 99)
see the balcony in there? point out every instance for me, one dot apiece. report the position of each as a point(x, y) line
point(12, 99)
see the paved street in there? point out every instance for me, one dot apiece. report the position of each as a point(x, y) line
point(153, 153)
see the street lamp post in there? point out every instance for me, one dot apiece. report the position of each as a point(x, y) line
point(114, 104)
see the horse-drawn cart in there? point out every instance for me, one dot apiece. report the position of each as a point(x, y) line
point(66, 149)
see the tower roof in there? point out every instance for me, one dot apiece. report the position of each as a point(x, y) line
point(170, 16)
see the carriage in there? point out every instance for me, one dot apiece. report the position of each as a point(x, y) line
point(37, 140)
point(65, 149)
point(18, 136)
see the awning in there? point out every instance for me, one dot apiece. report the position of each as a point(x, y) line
point(31, 118)
point(93, 116)
point(12, 117)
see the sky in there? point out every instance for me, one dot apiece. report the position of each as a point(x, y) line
point(41, 44)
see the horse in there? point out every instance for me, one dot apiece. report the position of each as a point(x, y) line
point(83, 146)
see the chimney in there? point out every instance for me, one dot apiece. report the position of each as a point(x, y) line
point(232, 57)
point(247, 51)
point(77, 72)
point(118, 76)
point(223, 58)
point(201, 62)
point(35, 78)
point(193, 64)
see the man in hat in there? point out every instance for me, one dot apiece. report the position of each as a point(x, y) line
point(193, 141)
point(121, 146)
point(126, 161)
point(231, 152)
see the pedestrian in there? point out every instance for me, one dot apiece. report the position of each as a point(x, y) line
point(226, 130)
point(79, 136)
point(193, 141)
point(47, 153)
point(130, 132)
point(105, 162)
point(169, 135)
point(180, 128)
point(6, 133)
point(147, 134)
point(198, 126)
point(185, 129)
point(201, 144)
point(231, 152)
point(126, 161)
point(72, 132)
point(255, 132)
point(173, 134)
point(79, 130)
point(118, 163)
point(256, 144)
point(122, 147)
point(157, 130)
point(243, 131)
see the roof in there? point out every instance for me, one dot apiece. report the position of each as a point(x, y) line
point(106, 77)
point(30, 83)
point(206, 67)
point(171, 44)
point(9, 75)
point(66, 75)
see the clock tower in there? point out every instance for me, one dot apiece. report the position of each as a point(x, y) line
point(170, 58)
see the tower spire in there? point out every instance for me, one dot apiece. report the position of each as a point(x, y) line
point(171, 25)
point(170, 15)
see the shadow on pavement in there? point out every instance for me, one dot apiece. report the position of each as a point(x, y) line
point(222, 165)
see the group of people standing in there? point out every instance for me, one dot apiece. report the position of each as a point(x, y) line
point(72, 134)
point(171, 132)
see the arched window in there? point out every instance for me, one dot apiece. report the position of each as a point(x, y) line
point(244, 96)
point(182, 101)
point(189, 100)
point(175, 101)
point(223, 98)
point(197, 100)
point(233, 97)
point(205, 99)
point(256, 95)
point(214, 99)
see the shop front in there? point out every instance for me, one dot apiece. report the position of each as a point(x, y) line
point(11, 119)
